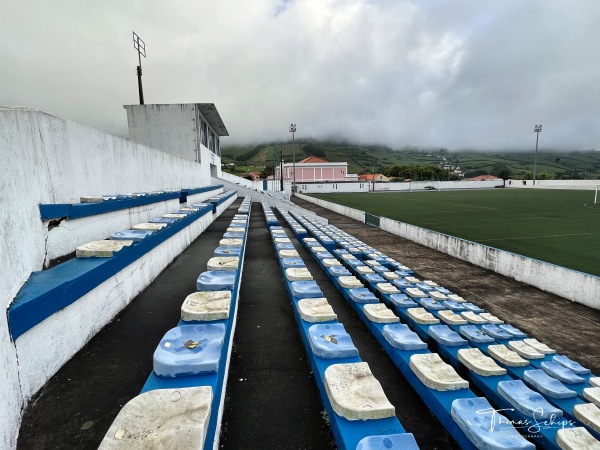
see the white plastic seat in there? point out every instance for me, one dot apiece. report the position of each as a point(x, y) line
point(415, 293)
point(282, 240)
point(507, 357)
point(174, 216)
point(524, 350)
point(349, 282)
point(379, 313)
point(318, 249)
point(206, 306)
point(476, 361)
point(422, 316)
point(162, 418)
point(298, 274)
point(355, 393)
point(149, 226)
point(231, 242)
point(456, 298)
point(435, 373)
point(593, 395)
point(387, 288)
point(437, 296)
point(412, 280)
point(491, 318)
point(288, 254)
point(363, 270)
point(101, 249)
point(595, 381)
point(576, 439)
point(473, 318)
point(390, 276)
point(539, 346)
point(316, 310)
point(235, 230)
point(451, 318)
point(330, 262)
point(588, 414)
point(223, 263)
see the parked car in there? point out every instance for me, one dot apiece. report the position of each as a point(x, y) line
point(430, 188)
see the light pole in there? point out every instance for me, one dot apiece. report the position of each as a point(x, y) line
point(536, 129)
point(140, 46)
point(293, 131)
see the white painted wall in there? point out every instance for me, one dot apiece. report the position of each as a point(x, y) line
point(328, 188)
point(355, 214)
point(408, 186)
point(582, 185)
point(46, 159)
point(66, 237)
point(570, 284)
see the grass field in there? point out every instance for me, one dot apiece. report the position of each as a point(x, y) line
point(557, 226)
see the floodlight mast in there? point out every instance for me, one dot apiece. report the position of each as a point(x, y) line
point(536, 129)
point(293, 131)
point(140, 46)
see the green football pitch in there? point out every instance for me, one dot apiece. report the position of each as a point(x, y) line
point(558, 226)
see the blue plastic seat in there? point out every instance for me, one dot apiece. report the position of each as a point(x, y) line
point(474, 334)
point(306, 289)
point(424, 287)
point(446, 336)
point(189, 350)
point(404, 441)
point(167, 220)
point(431, 304)
point(561, 373)
point(454, 306)
point(548, 385)
point(574, 366)
point(514, 332)
point(284, 246)
point(183, 211)
point(403, 301)
point(362, 295)
point(292, 262)
point(400, 336)
point(228, 251)
point(528, 402)
point(324, 255)
point(375, 278)
point(405, 273)
point(338, 271)
point(216, 280)
point(495, 332)
point(331, 341)
point(380, 269)
point(354, 262)
point(402, 284)
point(442, 290)
point(473, 308)
point(131, 235)
point(486, 428)
point(233, 235)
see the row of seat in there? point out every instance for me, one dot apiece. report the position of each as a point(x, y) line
point(403, 293)
point(360, 415)
point(100, 204)
point(182, 401)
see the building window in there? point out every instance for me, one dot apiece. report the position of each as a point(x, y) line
point(204, 134)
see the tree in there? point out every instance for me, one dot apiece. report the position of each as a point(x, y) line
point(266, 172)
point(505, 175)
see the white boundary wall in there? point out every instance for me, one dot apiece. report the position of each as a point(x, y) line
point(46, 159)
point(570, 284)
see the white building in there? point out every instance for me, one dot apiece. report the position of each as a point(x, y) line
point(189, 130)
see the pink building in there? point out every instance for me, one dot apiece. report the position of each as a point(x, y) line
point(313, 169)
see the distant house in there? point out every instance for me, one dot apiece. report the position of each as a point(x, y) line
point(373, 177)
point(485, 178)
point(313, 169)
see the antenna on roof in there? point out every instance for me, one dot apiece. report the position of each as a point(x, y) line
point(140, 46)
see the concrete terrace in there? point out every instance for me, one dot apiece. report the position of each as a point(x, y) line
point(271, 399)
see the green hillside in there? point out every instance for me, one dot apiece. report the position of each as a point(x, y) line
point(363, 159)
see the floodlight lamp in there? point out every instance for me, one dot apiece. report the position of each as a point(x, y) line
point(537, 129)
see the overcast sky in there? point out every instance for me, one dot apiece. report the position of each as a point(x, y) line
point(445, 73)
